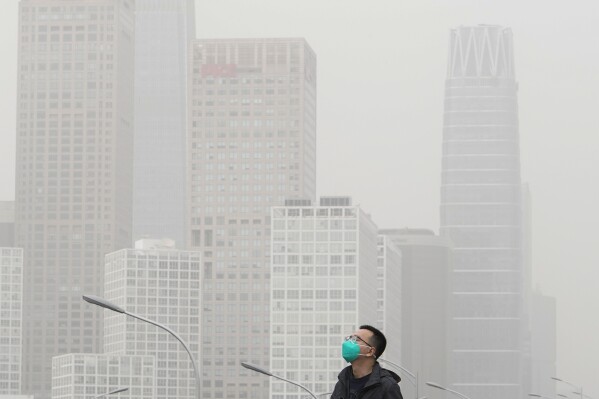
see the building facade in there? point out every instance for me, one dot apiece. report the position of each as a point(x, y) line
point(162, 285)
point(481, 213)
point(163, 30)
point(251, 144)
point(324, 286)
point(425, 306)
point(87, 376)
point(11, 319)
point(74, 172)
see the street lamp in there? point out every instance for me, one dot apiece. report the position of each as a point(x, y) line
point(536, 395)
point(435, 385)
point(268, 373)
point(95, 300)
point(414, 379)
point(572, 385)
point(112, 392)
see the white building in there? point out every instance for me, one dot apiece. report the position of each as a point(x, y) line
point(87, 375)
point(162, 285)
point(324, 286)
point(11, 316)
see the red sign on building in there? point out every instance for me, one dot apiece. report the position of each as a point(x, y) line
point(219, 70)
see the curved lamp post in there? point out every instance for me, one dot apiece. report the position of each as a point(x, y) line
point(578, 389)
point(96, 300)
point(268, 373)
point(536, 395)
point(112, 392)
point(414, 377)
point(435, 385)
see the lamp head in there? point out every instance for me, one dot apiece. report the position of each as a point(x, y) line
point(96, 300)
point(256, 368)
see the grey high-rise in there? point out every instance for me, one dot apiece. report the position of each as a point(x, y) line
point(481, 213)
point(252, 144)
point(74, 172)
point(163, 29)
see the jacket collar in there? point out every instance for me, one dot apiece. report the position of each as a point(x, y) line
point(375, 377)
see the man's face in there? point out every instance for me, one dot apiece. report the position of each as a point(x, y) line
point(363, 338)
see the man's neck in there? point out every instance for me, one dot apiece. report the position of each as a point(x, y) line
point(362, 369)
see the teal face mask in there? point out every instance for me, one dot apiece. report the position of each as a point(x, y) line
point(350, 350)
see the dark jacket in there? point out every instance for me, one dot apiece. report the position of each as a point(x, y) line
point(382, 384)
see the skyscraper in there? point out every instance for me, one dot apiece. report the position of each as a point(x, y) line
point(74, 171)
point(481, 213)
point(163, 30)
point(324, 286)
point(251, 144)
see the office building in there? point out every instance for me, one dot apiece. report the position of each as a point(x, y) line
point(481, 212)
point(87, 375)
point(162, 285)
point(163, 30)
point(11, 317)
point(251, 145)
point(324, 286)
point(73, 169)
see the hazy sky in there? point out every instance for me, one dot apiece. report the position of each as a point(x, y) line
point(381, 70)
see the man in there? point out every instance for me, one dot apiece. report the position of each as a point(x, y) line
point(365, 378)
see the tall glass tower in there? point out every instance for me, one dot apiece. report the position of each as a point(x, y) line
point(481, 213)
point(74, 171)
point(163, 29)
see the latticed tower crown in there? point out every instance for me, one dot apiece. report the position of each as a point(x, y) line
point(483, 51)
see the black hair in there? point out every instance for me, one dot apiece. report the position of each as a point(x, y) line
point(378, 340)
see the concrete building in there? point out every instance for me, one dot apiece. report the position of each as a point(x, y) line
point(389, 296)
point(481, 212)
point(73, 169)
point(251, 144)
point(7, 223)
point(324, 286)
point(11, 318)
point(163, 30)
point(162, 285)
point(425, 307)
point(86, 376)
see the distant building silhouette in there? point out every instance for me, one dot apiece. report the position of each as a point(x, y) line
point(73, 169)
point(389, 296)
point(252, 144)
point(7, 223)
point(425, 283)
point(481, 213)
point(163, 31)
point(543, 344)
